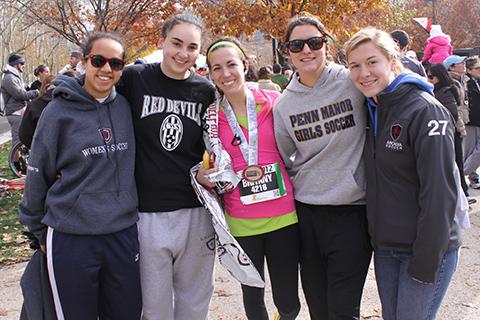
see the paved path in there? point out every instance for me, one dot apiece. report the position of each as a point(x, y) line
point(461, 303)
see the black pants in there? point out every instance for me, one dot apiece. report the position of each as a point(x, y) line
point(459, 161)
point(95, 276)
point(334, 259)
point(281, 249)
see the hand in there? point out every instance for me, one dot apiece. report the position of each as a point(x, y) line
point(463, 133)
point(202, 177)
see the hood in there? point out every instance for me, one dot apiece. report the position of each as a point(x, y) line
point(71, 89)
point(440, 40)
point(296, 86)
point(412, 78)
point(9, 69)
point(402, 78)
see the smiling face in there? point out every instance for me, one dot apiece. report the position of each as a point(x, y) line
point(309, 63)
point(227, 70)
point(100, 81)
point(370, 69)
point(180, 47)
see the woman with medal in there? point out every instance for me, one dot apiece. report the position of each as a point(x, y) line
point(320, 124)
point(260, 211)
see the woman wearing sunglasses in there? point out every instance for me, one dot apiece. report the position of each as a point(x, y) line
point(413, 184)
point(80, 197)
point(320, 131)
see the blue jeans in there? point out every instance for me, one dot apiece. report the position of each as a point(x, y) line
point(402, 297)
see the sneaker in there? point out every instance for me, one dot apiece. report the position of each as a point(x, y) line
point(471, 200)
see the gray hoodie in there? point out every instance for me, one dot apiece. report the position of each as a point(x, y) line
point(80, 178)
point(13, 90)
point(320, 133)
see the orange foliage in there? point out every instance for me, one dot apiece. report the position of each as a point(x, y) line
point(137, 20)
point(235, 17)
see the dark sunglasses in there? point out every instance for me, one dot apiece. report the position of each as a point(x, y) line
point(314, 43)
point(99, 61)
point(430, 77)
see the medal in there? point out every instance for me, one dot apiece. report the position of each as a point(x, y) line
point(253, 173)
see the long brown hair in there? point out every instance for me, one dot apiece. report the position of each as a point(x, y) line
point(46, 84)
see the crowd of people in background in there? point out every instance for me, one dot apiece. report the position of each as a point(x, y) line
point(372, 150)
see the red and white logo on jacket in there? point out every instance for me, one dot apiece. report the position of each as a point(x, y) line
point(395, 131)
point(106, 134)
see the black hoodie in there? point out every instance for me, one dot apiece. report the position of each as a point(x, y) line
point(80, 178)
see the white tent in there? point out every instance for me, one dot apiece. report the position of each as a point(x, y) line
point(157, 56)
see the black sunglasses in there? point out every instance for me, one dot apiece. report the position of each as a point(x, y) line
point(314, 43)
point(99, 61)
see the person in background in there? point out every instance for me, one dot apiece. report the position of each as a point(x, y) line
point(403, 40)
point(413, 185)
point(35, 109)
point(278, 77)
point(15, 96)
point(41, 72)
point(457, 72)
point(412, 55)
point(449, 96)
point(75, 63)
point(251, 77)
point(438, 46)
point(472, 141)
point(168, 101)
point(266, 229)
point(287, 72)
point(80, 197)
point(265, 80)
point(320, 122)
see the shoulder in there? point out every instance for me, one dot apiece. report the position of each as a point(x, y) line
point(339, 72)
point(201, 81)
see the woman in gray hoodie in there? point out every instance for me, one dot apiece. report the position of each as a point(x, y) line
point(320, 131)
point(80, 196)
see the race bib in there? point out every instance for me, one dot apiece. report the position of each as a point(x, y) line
point(269, 187)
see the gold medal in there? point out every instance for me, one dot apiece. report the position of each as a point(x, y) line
point(253, 173)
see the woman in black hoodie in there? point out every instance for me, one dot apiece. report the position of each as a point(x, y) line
point(449, 96)
point(35, 109)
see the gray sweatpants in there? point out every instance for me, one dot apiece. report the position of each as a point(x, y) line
point(14, 121)
point(176, 264)
point(471, 150)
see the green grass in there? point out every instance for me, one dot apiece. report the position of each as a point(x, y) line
point(13, 245)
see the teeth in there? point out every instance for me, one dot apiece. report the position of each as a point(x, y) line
point(228, 83)
point(368, 83)
point(104, 78)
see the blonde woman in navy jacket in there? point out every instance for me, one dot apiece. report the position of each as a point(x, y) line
point(412, 180)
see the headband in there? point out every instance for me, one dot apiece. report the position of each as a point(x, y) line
point(19, 60)
point(226, 43)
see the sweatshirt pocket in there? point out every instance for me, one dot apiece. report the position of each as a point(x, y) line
point(98, 213)
point(329, 187)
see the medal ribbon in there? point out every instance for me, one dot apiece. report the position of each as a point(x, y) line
point(248, 148)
